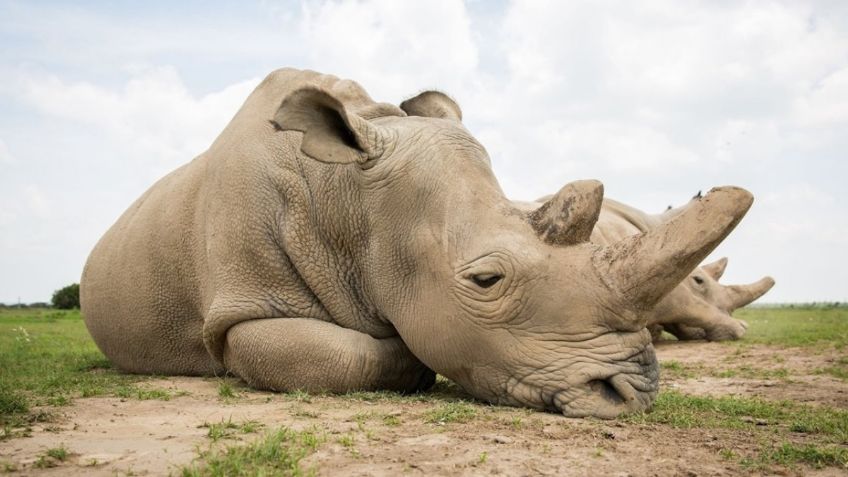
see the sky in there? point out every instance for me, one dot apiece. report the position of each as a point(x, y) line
point(656, 99)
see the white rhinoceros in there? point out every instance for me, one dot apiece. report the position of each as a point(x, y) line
point(328, 242)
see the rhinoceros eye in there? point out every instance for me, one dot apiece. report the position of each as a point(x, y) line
point(698, 280)
point(486, 280)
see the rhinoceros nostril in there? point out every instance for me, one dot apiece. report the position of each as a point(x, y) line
point(606, 389)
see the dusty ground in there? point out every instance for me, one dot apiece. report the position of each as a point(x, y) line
point(109, 436)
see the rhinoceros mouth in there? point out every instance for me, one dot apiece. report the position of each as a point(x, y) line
point(614, 394)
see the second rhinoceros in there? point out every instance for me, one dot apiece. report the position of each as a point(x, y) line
point(328, 242)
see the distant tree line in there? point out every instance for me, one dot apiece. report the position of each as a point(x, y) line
point(66, 298)
point(37, 304)
point(812, 304)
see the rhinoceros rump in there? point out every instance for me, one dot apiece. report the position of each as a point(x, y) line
point(328, 242)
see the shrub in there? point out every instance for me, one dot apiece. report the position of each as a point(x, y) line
point(67, 298)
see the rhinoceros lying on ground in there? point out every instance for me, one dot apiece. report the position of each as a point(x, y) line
point(699, 307)
point(328, 242)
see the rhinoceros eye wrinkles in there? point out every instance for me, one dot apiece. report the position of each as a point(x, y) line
point(486, 280)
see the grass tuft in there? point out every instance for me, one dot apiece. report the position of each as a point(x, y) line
point(225, 390)
point(277, 453)
point(51, 458)
point(228, 429)
point(451, 412)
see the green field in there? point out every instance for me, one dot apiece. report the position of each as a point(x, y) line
point(796, 326)
point(47, 360)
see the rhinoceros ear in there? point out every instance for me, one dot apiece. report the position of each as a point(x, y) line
point(716, 269)
point(569, 216)
point(432, 104)
point(331, 132)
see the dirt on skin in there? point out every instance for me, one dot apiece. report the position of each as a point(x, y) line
point(112, 436)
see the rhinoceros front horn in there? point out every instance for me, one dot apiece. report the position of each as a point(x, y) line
point(569, 216)
point(741, 295)
point(645, 267)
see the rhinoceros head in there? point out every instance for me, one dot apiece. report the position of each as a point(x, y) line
point(517, 307)
point(701, 297)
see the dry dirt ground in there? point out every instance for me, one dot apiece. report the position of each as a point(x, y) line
point(396, 436)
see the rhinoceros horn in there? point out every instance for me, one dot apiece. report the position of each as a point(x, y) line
point(569, 216)
point(716, 269)
point(645, 267)
point(741, 295)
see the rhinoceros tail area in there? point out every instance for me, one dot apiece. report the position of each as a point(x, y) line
point(141, 316)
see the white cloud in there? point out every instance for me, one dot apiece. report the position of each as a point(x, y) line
point(5, 155)
point(391, 46)
point(36, 201)
point(622, 148)
point(826, 103)
point(159, 120)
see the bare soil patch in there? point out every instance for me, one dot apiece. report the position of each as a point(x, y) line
point(768, 372)
point(398, 436)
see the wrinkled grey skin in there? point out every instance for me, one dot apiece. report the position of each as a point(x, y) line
point(328, 242)
point(700, 307)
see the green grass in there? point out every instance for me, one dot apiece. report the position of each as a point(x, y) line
point(58, 453)
point(751, 372)
point(801, 326)
point(51, 458)
point(788, 454)
point(676, 369)
point(682, 410)
point(391, 421)
point(839, 369)
point(451, 412)
point(226, 390)
point(277, 453)
point(229, 429)
point(47, 358)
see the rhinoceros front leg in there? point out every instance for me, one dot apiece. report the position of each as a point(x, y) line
point(286, 354)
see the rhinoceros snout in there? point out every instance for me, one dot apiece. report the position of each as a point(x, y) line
point(618, 393)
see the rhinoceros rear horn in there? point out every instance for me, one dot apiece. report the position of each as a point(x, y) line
point(432, 104)
point(569, 216)
point(331, 132)
point(645, 267)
